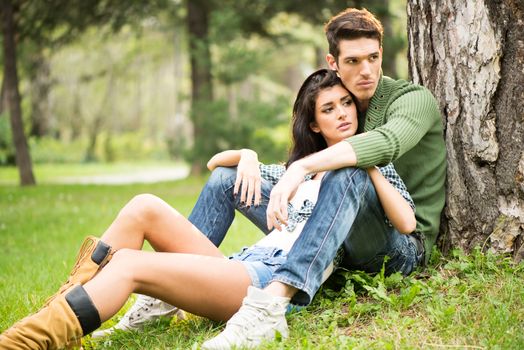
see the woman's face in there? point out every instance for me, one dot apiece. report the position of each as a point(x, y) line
point(335, 115)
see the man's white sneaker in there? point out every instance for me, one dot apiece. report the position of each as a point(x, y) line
point(145, 309)
point(259, 318)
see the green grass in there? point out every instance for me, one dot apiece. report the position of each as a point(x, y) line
point(459, 302)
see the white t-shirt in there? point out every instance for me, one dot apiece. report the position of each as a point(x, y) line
point(307, 190)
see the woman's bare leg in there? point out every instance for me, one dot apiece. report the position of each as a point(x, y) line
point(147, 217)
point(204, 285)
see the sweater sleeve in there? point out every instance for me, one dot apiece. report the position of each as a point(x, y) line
point(407, 119)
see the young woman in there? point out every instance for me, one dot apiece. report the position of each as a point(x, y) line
point(187, 270)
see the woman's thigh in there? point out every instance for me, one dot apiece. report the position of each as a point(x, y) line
point(203, 285)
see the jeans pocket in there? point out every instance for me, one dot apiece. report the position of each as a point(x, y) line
point(403, 260)
point(375, 264)
point(241, 255)
point(275, 260)
point(268, 256)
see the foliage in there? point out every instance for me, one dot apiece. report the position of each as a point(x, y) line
point(223, 132)
point(51, 150)
point(112, 67)
point(272, 144)
point(136, 74)
point(111, 148)
point(54, 22)
point(226, 27)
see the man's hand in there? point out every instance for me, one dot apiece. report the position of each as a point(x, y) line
point(248, 178)
point(281, 194)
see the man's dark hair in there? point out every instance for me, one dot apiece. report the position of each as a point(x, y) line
point(352, 24)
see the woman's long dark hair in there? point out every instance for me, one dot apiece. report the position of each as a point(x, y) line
point(305, 141)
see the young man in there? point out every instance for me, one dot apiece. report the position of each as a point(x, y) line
point(400, 123)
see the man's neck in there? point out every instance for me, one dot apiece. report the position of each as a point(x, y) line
point(362, 106)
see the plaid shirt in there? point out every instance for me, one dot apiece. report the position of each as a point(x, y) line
point(274, 172)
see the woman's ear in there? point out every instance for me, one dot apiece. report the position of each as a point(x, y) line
point(314, 127)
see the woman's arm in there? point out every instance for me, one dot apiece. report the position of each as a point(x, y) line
point(232, 158)
point(397, 209)
point(248, 172)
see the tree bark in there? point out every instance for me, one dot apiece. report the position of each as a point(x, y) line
point(390, 44)
point(40, 86)
point(3, 98)
point(470, 54)
point(23, 158)
point(99, 119)
point(201, 90)
point(76, 123)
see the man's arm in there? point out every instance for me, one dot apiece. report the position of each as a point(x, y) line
point(340, 155)
point(408, 118)
point(407, 123)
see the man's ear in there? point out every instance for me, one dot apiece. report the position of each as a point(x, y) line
point(332, 62)
point(314, 127)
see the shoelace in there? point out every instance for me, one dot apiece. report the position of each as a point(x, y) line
point(250, 313)
point(142, 303)
point(84, 249)
point(81, 255)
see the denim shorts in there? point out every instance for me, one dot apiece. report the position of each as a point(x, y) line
point(261, 263)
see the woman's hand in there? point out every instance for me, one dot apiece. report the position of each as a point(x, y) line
point(248, 178)
point(396, 208)
point(248, 172)
point(283, 191)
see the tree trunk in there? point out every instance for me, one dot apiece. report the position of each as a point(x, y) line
point(99, 119)
point(390, 45)
point(3, 97)
point(232, 98)
point(470, 54)
point(201, 91)
point(23, 158)
point(40, 86)
point(76, 121)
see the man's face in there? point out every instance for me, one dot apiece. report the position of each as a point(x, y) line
point(358, 65)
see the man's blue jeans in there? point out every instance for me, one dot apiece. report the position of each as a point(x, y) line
point(347, 213)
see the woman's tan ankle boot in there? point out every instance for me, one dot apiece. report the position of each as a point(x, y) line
point(60, 324)
point(93, 255)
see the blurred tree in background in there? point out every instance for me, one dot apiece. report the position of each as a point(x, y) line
point(36, 26)
point(109, 81)
point(12, 94)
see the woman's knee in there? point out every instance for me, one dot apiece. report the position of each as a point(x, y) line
point(121, 264)
point(345, 175)
point(222, 177)
point(143, 207)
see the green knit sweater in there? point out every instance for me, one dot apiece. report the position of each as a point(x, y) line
point(403, 125)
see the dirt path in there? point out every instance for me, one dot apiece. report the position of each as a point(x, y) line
point(141, 176)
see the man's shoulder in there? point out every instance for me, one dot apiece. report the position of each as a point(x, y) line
point(401, 91)
point(399, 86)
